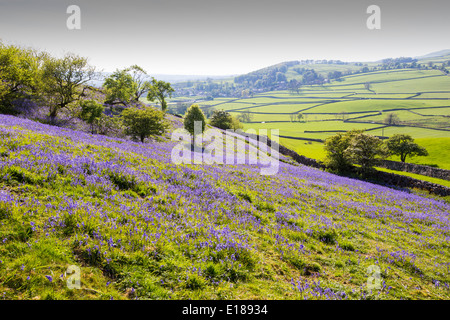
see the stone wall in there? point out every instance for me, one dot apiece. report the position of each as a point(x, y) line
point(383, 178)
point(418, 169)
point(392, 179)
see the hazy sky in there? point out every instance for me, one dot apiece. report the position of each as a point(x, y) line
point(225, 37)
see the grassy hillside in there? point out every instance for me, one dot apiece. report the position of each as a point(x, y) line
point(141, 227)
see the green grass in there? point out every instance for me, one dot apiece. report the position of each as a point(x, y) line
point(439, 152)
point(418, 85)
point(309, 149)
point(387, 75)
point(304, 225)
point(376, 105)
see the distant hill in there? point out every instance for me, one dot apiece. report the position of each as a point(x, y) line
point(172, 78)
point(440, 53)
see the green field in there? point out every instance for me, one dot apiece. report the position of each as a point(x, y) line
point(420, 98)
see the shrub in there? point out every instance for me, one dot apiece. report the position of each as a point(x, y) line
point(143, 123)
point(366, 150)
point(221, 119)
point(194, 114)
point(335, 147)
point(91, 112)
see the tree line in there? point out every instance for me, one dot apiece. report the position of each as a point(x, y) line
point(59, 91)
point(355, 147)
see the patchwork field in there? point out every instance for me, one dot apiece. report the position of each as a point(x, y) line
point(420, 99)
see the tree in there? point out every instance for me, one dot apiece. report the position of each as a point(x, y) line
point(299, 116)
point(365, 150)
point(120, 88)
point(64, 82)
point(392, 119)
point(403, 145)
point(334, 75)
point(91, 112)
point(236, 124)
point(221, 119)
point(140, 84)
point(19, 75)
point(280, 77)
point(294, 86)
point(367, 86)
point(193, 114)
point(342, 115)
point(160, 90)
point(143, 123)
point(335, 147)
point(246, 116)
point(245, 93)
point(292, 116)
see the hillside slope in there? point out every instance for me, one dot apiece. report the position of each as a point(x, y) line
point(142, 227)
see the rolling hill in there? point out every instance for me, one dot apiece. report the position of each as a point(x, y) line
point(420, 97)
point(140, 227)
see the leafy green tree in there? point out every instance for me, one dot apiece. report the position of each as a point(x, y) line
point(140, 84)
point(299, 116)
point(91, 112)
point(236, 124)
point(221, 119)
point(335, 148)
point(246, 116)
point(64, 82)
point(160, 90)
point(120, 88)
point(194, 113)
point(143, 123)
point(19, 74)
point(403, 145)
point(365, 150)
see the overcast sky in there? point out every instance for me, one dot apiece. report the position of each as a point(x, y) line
point(215, 37)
